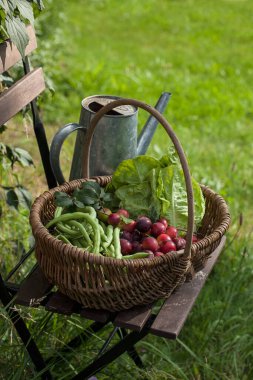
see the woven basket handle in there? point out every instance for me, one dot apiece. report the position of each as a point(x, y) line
point(86, 158)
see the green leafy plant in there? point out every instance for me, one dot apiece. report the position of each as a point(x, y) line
point(146, 185)
point(14, 15)
point(9, 156)
point(90, 194)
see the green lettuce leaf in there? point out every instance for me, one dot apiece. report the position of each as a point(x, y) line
point(134, 171)
point(155, 188)
point(173, 197)
point(136, 198)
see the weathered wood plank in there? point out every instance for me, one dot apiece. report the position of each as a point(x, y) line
point(176, 308)
point(9, 54)
point(134, 318)
point(20, 94)
point(59, 303)
point(62, 304)
point(34, 289)
point(96, 315)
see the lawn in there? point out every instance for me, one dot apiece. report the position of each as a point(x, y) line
point(201, 52)
point(197, 50)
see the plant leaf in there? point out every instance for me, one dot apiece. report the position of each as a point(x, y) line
point(92, 186)
point(26, 10)
point(4, 5)
point(2, 129)
point(96, 206)
point(78, 203)
point(87, 192)
point(39, 3)
point(107, 197)
point(24, 197)
point(89, 200)
point(156, 188)
point(17, 32)
point(173, 196)
point(12, 4)
point(125, 219)
point(6, 80)
point(23, 157)
point(12, 198)
point(136, 198)
point(62, 199)
point(18, 196)
point(134, 171)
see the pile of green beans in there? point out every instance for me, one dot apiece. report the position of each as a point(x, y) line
point(84, 230)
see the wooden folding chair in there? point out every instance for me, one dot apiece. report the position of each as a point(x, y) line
point(35, 291)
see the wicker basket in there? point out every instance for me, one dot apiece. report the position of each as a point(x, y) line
point(107, 283)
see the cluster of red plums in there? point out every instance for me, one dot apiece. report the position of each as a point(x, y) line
point(140, 235)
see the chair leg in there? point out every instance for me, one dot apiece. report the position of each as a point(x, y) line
point(132, 351)
point(113, 353)
point(24, 333)
point(107, 342)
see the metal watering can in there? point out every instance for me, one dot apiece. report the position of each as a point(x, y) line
point(114, 140)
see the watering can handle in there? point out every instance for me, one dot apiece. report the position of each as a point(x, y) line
point(177, 145)
point(55, 149)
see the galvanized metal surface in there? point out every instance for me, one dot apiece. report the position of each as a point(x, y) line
point(115, 138)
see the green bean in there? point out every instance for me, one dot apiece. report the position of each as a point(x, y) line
point(82, 230)
point(81, 243)
point(102, 233)
point(107, 253)
point(116, 243)
point(89, 210)
point(102, 230)
point(77, 243)
point(69, 216)
point(58, 211)
point(109, 235)
point(64, 239)
point(88, 227)
point(80, 215)
point(110, 251)
point(67, 230)
point(137, 255)
point(103, 225)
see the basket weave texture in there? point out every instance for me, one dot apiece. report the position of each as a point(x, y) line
point(107, 283)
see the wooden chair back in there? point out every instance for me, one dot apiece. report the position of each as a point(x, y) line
point(24, 92)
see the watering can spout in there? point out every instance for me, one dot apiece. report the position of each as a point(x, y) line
point(149, 128)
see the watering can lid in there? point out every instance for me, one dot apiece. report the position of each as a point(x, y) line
point(94, 103)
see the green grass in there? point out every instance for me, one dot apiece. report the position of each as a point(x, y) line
point(201, 52)
point(197, 50)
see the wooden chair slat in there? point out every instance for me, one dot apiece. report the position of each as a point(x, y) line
point(59, 303)
point(96, 315)
point(176, 308)
point(134, 318)
point(34, 289)
point(20, 94)
point(9, 54)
